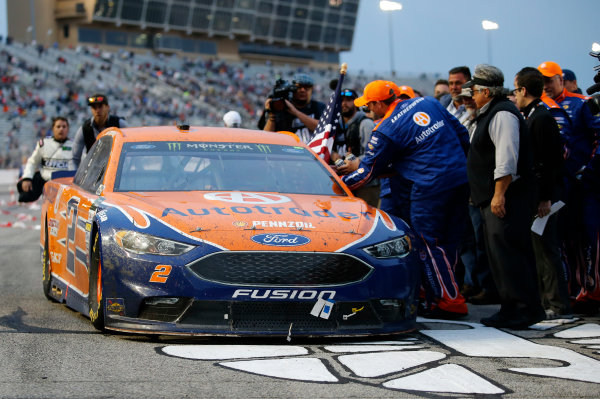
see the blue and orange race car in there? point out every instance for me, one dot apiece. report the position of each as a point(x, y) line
point(214, 231)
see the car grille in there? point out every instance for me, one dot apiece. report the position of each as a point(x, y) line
point(278, 316)
point(281, 268)
point(269, 316)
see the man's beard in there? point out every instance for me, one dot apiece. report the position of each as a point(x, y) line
point(349, 113)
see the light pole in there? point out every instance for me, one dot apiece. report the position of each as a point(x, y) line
point(489, 26)
point(390, 6)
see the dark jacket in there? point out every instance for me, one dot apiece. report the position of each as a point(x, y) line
point(546, 148)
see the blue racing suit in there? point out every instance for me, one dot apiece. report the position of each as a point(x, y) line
point(580, 220)
point(562, 118)
point(420, 141)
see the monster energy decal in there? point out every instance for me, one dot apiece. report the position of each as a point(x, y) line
point(195, 147)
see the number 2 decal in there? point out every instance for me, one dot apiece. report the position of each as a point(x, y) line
point(161, 274)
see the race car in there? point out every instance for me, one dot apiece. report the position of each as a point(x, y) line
point(189, 230)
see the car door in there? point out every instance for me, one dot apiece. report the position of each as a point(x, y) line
point(86, 189)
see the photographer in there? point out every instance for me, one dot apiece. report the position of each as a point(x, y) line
point(290, 108)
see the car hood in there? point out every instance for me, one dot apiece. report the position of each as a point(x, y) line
point(243, 220)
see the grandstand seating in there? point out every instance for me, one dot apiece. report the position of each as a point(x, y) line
point(147, 89)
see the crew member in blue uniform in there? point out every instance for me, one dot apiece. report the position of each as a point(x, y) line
point(425, 146)
point(580, 222)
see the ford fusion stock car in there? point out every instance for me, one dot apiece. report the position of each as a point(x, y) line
point(214, 231)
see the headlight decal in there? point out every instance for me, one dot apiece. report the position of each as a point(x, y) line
point(396, 248)
point(376, 223)
point(150, 218)
point(141, 243)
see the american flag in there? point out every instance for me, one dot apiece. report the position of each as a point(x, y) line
point(329, 123)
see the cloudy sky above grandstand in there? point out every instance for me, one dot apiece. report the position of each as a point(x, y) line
point(435, 35)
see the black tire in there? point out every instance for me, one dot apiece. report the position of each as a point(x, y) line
point(95, 290)
point(46, 268)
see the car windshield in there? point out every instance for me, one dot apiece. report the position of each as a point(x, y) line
point(202, 166)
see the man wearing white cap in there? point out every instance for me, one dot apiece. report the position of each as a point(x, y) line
point(232, 119)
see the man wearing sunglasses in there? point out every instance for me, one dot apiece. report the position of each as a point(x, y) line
point(91, 128)
point(353, 137)
point(301, 114)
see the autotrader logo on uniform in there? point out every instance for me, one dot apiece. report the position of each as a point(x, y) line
point(436, 126)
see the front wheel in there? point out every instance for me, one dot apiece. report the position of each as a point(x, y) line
point(95, 290)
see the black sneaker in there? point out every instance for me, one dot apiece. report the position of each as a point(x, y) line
point(513, 320)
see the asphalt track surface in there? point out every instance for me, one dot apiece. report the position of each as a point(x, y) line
point(49, 351)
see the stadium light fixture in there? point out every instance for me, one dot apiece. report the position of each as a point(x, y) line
point(596, 47)
point(390, 6)
point(386, 5)
point(489, 26)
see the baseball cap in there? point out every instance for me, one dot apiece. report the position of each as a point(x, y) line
point(303, 79)
point(569, 75)
point(465, 92)
point(97, 99)
point(550, 69)
point(349, 93)
point(406, 90)
point(480, 81)
point(377, 90)
point(232, 119)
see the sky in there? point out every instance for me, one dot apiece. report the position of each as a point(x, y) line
point(433, 36)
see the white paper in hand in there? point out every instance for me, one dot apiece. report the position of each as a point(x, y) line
point(539, 224)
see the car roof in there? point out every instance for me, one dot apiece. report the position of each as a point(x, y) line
point(210, 134)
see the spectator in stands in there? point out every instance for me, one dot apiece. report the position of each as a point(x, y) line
point(440, 88)
point(50, 154)
point(300, 116)
point(570, 81)
point(91, 128)
point(232, 119)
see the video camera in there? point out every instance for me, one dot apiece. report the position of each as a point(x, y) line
point(283, 90)
point(594, 102)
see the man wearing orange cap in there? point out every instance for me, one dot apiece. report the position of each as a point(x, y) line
point(420, 141)
point(582, 214)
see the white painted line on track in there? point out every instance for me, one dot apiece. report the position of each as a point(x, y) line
point(582, 331)
point(378, 364)
point(368, 348)
point(450, 378)
point(304, 369)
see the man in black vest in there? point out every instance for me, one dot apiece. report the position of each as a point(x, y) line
point(91, 128)
point(499, 167)
point(353, 138)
